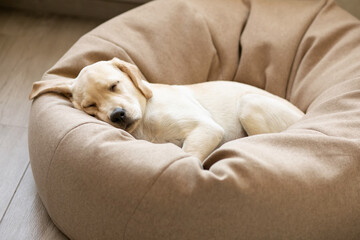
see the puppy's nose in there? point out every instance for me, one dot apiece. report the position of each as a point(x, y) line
point(118, 115)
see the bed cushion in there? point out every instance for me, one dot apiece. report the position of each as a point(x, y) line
point(98, 182)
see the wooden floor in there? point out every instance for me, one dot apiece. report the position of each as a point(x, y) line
point(29, 45)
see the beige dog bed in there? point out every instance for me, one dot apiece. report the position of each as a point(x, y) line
point(98, 182)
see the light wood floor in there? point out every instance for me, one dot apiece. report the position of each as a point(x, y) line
point(29, 45)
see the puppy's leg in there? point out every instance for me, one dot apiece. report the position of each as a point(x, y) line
point(202, 140)
point(265, 114)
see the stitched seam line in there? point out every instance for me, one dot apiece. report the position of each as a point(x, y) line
point(56, 149)
point(106, 40)
point(146, 192)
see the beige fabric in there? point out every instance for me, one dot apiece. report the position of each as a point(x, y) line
point(97, 182)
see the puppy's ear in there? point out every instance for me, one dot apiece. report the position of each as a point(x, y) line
point(135, 75)
point(55, 86)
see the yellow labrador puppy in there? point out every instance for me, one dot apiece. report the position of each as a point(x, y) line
point(198, 117)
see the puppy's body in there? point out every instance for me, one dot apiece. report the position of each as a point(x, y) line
point(211, 114)
point(166, 119)
point(197, 117)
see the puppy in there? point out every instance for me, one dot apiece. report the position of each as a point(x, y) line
point(198, 117)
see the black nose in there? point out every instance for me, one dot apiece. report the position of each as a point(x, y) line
point(118, 115)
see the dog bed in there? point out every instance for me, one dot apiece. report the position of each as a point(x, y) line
point(98, 182)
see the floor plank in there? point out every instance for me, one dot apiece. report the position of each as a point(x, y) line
point(26, 218)
point(31, 44)
point(13, 162)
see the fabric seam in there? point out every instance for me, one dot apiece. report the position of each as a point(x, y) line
point(145, 194)
point(56, 149)
point(104, 39)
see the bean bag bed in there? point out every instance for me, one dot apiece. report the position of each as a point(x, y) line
point(98, 182)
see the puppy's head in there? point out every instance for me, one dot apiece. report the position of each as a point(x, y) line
point(113, 91)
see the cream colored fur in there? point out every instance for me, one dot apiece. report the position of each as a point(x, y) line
point(198, 117)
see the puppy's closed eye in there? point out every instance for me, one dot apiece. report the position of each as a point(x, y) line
point(113, 86)
point(92, 105)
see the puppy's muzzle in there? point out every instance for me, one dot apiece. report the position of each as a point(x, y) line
point(118, 116)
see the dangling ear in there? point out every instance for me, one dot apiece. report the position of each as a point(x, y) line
point(135, 75)
point(55, 86)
